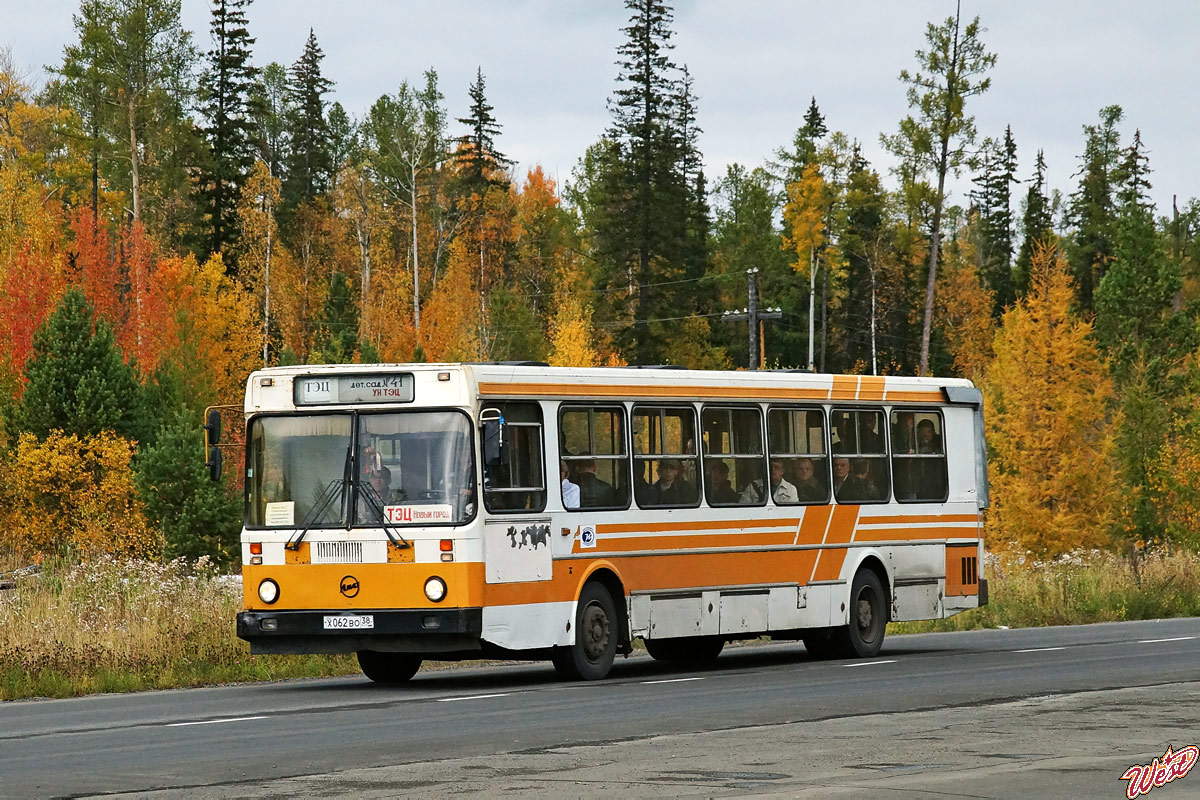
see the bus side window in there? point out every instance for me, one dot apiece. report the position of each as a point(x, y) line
point(664, 461)
point(734, 469)
point(592, 447)
point(860, 463)
point(919, 457)
point(517, 484)
point(797, 441)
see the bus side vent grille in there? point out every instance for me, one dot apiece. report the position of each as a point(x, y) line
point(337, 553)
point(970, 571)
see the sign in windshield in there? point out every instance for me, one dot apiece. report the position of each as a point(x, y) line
point(316, 390)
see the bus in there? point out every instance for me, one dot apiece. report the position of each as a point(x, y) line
point(412, 512)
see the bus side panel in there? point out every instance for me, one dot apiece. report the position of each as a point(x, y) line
point(529, 625)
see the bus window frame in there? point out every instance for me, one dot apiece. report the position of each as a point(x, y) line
point(827, 440)
point(764, 465)
point(885, 456)
point(944, 455)
point(542, 464)
point(626, 443)
point(661, 408)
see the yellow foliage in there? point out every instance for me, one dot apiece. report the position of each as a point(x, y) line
point(964, 312)
point(1050, 425)
point(571, 326)
point(805, 212)
point(72, 494)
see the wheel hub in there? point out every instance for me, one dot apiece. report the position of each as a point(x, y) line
point(595, 631)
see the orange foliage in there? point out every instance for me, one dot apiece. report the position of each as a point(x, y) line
point(450, 322)
point(964, 311)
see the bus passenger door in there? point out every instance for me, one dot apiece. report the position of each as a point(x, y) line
point(517, 549)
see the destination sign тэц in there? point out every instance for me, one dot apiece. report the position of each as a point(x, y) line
point(314, 390)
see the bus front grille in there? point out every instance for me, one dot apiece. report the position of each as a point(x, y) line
point(337, 553)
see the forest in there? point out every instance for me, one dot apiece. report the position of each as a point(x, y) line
point(174, 215)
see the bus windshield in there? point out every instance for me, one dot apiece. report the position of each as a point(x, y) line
point(408, 468)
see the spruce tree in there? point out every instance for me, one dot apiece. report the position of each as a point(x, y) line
point(1092, 210)
point(77, 381)
point(478, 157)
point(1036, 223)
point(309, 164)
point(993, 202)
point(226, 90)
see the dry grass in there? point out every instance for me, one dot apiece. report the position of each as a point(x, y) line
point(1081, 588)
point(112, 625)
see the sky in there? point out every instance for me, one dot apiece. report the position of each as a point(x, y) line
point(549, 69)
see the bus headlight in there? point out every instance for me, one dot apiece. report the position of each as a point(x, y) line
point(435, 589)
point(268, 591)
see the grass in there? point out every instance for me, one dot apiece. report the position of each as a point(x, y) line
point(1080, 588)
point(121, 626)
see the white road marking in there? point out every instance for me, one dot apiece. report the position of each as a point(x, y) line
point(471, 697)
point(1174, 639)
point(672, 680)
point(1039, 649)
point(211, 721)
point(872, 663)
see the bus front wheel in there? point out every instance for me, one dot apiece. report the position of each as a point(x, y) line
point(863, 637)
point(388, 668)
point(596, 632)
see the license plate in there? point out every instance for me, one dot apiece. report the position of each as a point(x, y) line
point(349, 622)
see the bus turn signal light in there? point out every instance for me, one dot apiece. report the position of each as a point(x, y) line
point(256, 549)
point(447, 545)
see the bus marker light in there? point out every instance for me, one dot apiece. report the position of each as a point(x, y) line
point(446, 545)
point(447, 556)
point(435, 589)
point(443, 376)
point(431, 622)
point(256, 548)
point(255, 560)
point(268, 591)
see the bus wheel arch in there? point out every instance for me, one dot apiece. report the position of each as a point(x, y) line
point(596, 632)
point(605, 574)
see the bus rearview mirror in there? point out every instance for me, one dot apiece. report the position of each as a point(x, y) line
point(214, 464)
point(212, 426)
point(493, 441)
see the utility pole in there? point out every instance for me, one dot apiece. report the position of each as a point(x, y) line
point(752, 315)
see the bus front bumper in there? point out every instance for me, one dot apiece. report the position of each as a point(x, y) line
point(419, 630)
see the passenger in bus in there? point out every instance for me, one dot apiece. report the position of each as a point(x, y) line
point(860, 485)
point(869, 440)
point(928, 440)
point(781, 491)
point(671, 488)
point(841, 474)
point(720, 490)
point(904, 437)
point(570, 490)
point(808, 488)
point(594, 492)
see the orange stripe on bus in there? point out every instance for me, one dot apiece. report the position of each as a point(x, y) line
point(871, 388)
point(915, 396)
point(908, 520)
point(845, 387)
point(813, 527)
point(910, 534)
point(841, 528)
point(685, 542)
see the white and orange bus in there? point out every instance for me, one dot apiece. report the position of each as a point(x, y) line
point(406, 512)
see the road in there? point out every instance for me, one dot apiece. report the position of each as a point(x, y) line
point(1040, 712)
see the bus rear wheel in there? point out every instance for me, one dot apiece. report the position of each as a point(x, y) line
point(694, 650)
point(863, 637)
point(596, 633)
point(388, 668)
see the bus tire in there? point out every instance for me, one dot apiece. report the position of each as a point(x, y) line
point(596, 632)
point(388, 668)
point(863, 637)
point(688, 650)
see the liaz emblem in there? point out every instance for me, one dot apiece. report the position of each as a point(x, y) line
point(349, 586)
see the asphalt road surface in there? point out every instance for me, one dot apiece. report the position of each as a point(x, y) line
point(1039, 712)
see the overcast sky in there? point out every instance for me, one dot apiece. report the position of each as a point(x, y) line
point(549, 67)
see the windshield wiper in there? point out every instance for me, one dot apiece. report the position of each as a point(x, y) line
point(335, 488)
point(376, 509)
